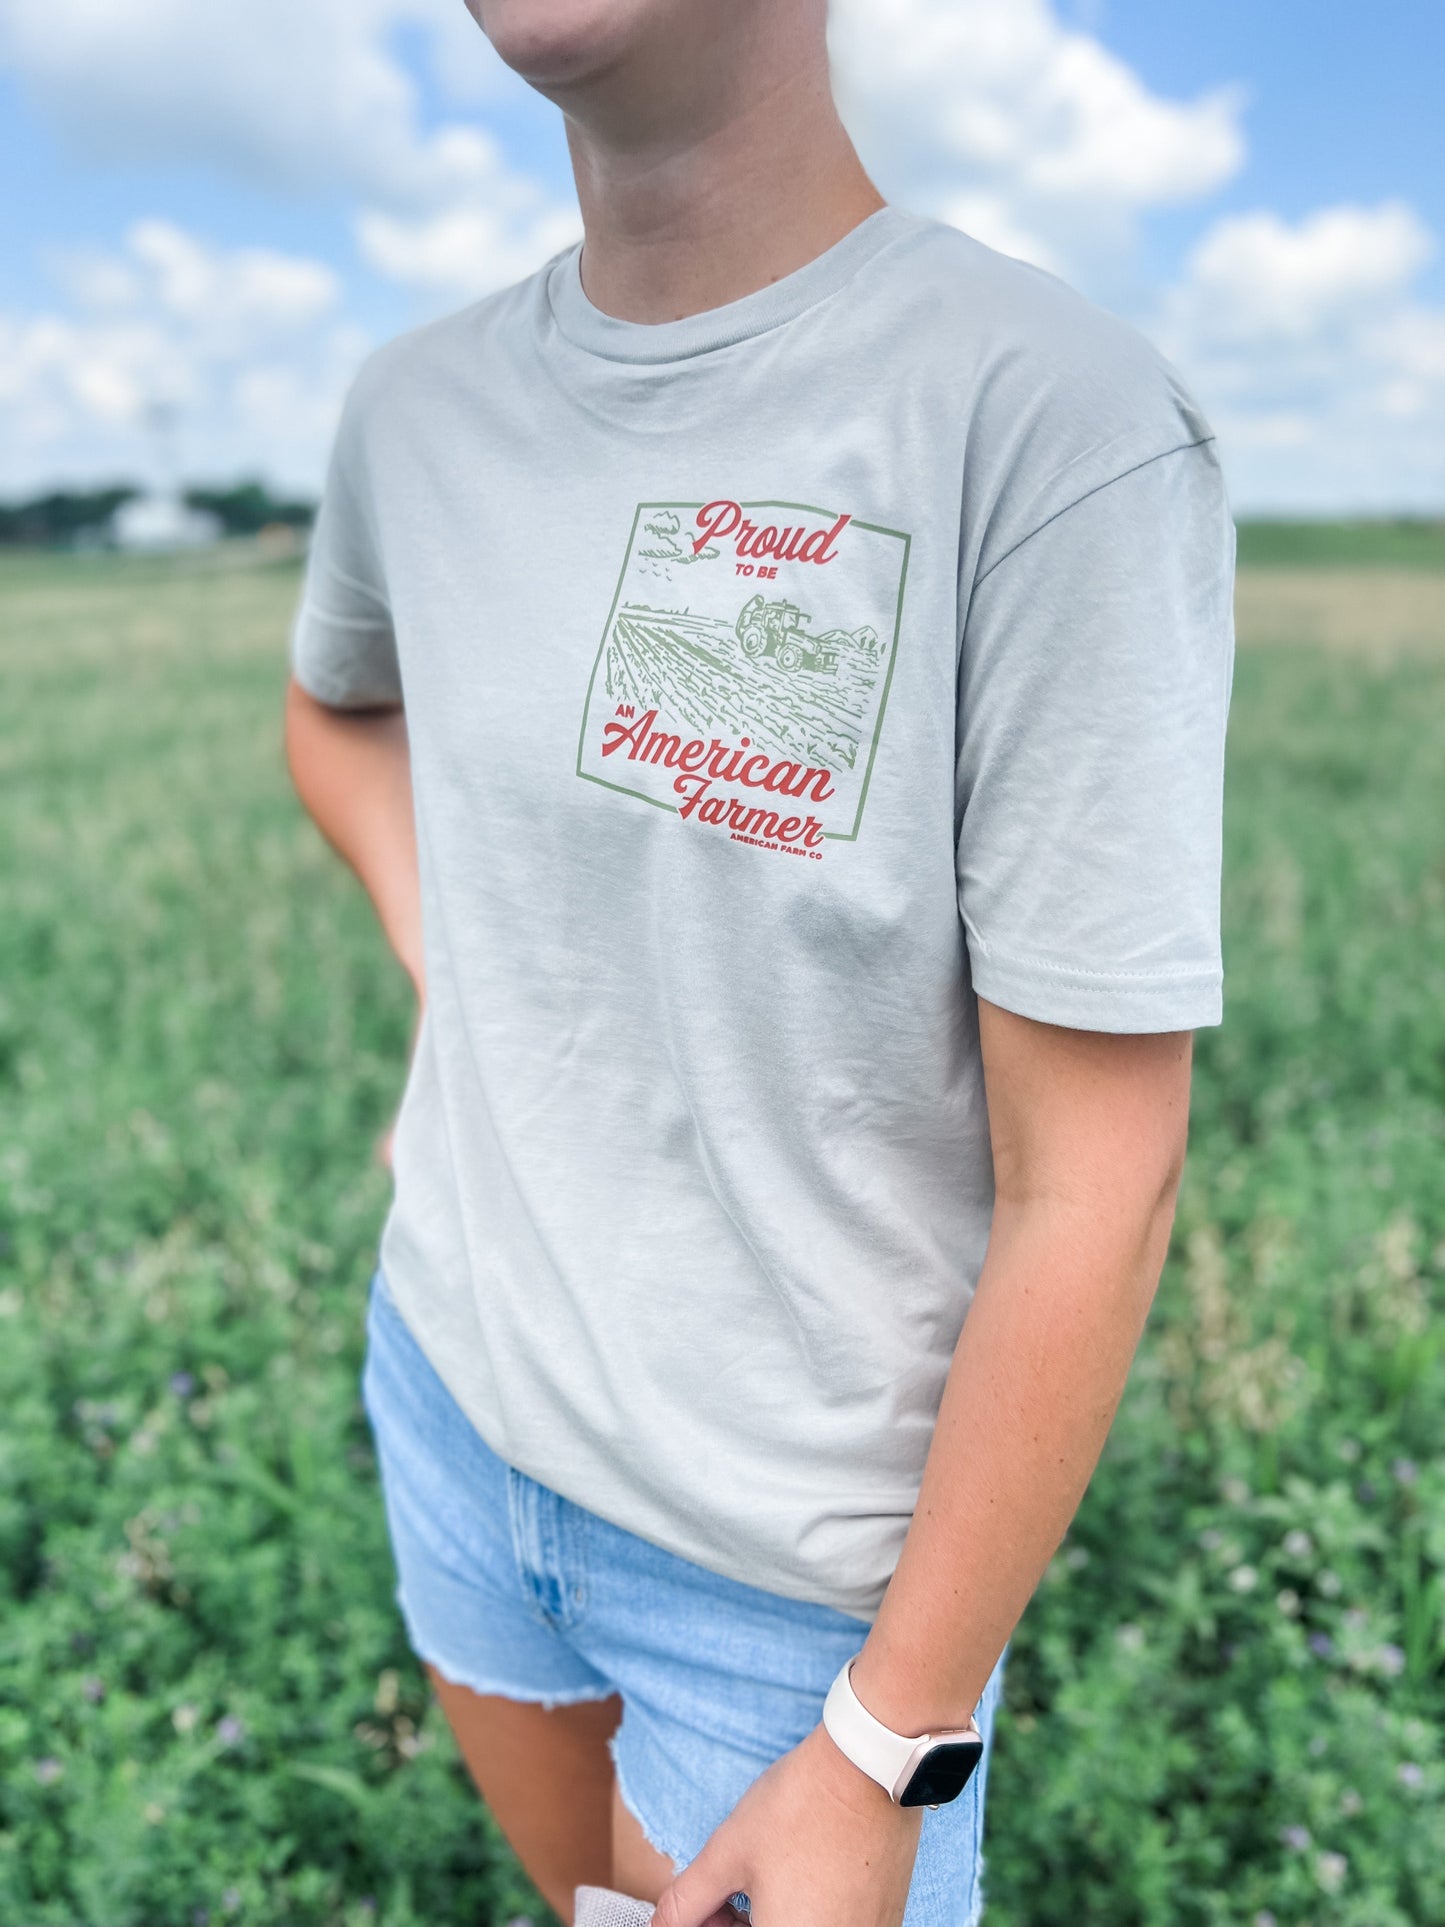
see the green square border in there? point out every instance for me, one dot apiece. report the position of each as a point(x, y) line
point(807, 508)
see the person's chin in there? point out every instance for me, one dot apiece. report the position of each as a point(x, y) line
point(557, 43)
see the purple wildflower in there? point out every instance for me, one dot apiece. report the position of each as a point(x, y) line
point(1330, 1871)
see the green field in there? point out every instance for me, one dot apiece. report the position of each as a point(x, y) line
point(1405, 544)
point(1225, 1705)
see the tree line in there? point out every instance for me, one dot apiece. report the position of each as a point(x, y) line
point(65, 516)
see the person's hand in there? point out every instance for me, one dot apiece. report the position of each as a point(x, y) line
point(384, 1142)
point(812, 1843)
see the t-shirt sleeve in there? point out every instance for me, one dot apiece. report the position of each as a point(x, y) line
point(1094, 688)
point(342, 643)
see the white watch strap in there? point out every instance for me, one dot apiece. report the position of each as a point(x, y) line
point(875, 1749)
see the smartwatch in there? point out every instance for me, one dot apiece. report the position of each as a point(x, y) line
point(921, 1771)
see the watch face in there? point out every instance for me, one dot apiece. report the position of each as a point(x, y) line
point(942, 1773)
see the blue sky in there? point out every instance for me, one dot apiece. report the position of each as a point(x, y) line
point(216, 213)
point(1345, 102)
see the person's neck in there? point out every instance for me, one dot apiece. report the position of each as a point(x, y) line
point(677, 225)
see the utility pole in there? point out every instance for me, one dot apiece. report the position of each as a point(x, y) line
point(161, 418)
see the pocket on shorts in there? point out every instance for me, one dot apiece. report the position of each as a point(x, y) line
point(379, 1308)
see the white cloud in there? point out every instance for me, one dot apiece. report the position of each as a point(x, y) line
point(995, 107)
point(1322, 370)
point(302, 98)
point(245, 350)
point(494, 227)
point(1256, 278)
point(465, 251)
point(312, 99)
point(238, 297)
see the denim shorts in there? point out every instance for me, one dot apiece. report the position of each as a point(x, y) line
point(508, 1588)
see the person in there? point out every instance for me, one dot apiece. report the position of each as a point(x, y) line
point(794, 1123)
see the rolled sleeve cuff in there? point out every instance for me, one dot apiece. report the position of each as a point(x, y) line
point(1125, 1001)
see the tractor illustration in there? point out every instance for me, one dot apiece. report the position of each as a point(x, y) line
point(776, 629)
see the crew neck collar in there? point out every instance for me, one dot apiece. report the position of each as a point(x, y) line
point(588, 328)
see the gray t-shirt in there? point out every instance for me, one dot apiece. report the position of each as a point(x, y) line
point(777, 679)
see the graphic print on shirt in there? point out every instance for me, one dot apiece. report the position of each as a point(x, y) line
point(744, 667)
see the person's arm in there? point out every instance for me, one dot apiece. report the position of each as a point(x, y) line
point(352, 770)
point(1089, 1132)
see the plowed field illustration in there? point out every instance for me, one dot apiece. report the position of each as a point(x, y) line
point(694, 670)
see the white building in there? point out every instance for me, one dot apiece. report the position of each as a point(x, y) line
point(155, 523)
